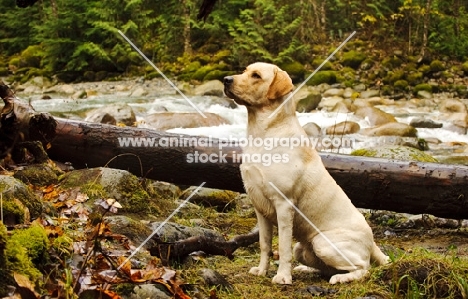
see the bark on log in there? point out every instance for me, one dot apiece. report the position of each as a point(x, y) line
point(374, 183)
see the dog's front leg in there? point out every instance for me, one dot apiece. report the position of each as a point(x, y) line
point(285, 214)
point(265, 235)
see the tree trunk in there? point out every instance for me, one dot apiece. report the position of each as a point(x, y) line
point(374, 183)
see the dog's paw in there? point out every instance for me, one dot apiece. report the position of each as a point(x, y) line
point(258, 271)
point(282, 279)
point(347, 277)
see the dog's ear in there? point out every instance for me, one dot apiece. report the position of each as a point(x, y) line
point(281, 85)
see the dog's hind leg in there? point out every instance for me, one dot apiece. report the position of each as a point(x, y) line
point(265, 237)
point(305, 255)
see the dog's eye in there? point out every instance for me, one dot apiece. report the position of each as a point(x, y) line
point(256, 76)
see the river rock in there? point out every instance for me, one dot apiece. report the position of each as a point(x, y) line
point(170, 120)
point(220, 199)
point(370, 93)
point(165, 190)
point(452, 106)
point(307, 99)
point(421, 122)
point(113, 114)
point(330, 102)
point(375, 116)
point(343, 128)
point(424, 94)
point(139, 92)
point(334, 92)
point(341, 107)
point(391, 129)
point(312, 129)
point(19, 203)
point(395, 152)
point(210, 88)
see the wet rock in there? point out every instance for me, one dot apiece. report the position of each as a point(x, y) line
point(396, 152)
point(391, 129)
point(210, 88)
point(139, 92)
point(424, 94)
point(452, 106)
point(213, 278)
point(330, 102)
point(343, 128)
point(312, 129)
point(171, 120)
point(172, 232)
point(220, 199)
point(375, 116)
point(19, 203)
point(341, 107)
point(333, 92)
point(421, 122)
point(307, 99)
point(113, 114)
point(379, 101)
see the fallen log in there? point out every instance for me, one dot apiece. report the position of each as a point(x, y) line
point(374, 183)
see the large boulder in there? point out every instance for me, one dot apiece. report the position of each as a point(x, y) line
point(343, 128)
point(171, 120)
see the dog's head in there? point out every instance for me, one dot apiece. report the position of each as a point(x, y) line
point(260, 84)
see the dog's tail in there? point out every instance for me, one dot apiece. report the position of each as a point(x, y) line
point(378, 257)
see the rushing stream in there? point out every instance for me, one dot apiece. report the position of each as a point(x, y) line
point(451, 148)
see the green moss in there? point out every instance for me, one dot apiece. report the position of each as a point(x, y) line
point(422, 86)
point(32, 56)
point(353, 59)
point(414, 78)
point(320, 77)
point(464, 67)
point(393, 76)
point(294, 69)
point(401, 85)
point(13, 210)
point(425, 69)
point(200, 73)
point(437, 66)
point(4, 71)
point(34, 240)
point(221, 55)
point(392, 62)
point(217, 75)
point(319, 60)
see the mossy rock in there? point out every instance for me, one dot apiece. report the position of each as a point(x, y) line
point(393, 76)
point(414, 78)
point(401, 85)
point(221, 55)
point(422, 87)
point(31, 57)
point(425, 69)
point(353, 59)
point(392, 62)
point(367, 64)
point(464, 67)
point(37, 175)
point(327, 66)
point(222, 200)
point(309, 102)
point(112, 183)
point(294, 69)
point(201, 72)
point(437, 66)
point(20, 204)
point(395, 152)
point(320, 77)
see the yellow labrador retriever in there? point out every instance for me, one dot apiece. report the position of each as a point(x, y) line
point(297, 193)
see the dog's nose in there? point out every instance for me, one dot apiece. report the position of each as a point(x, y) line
point(228, 80)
